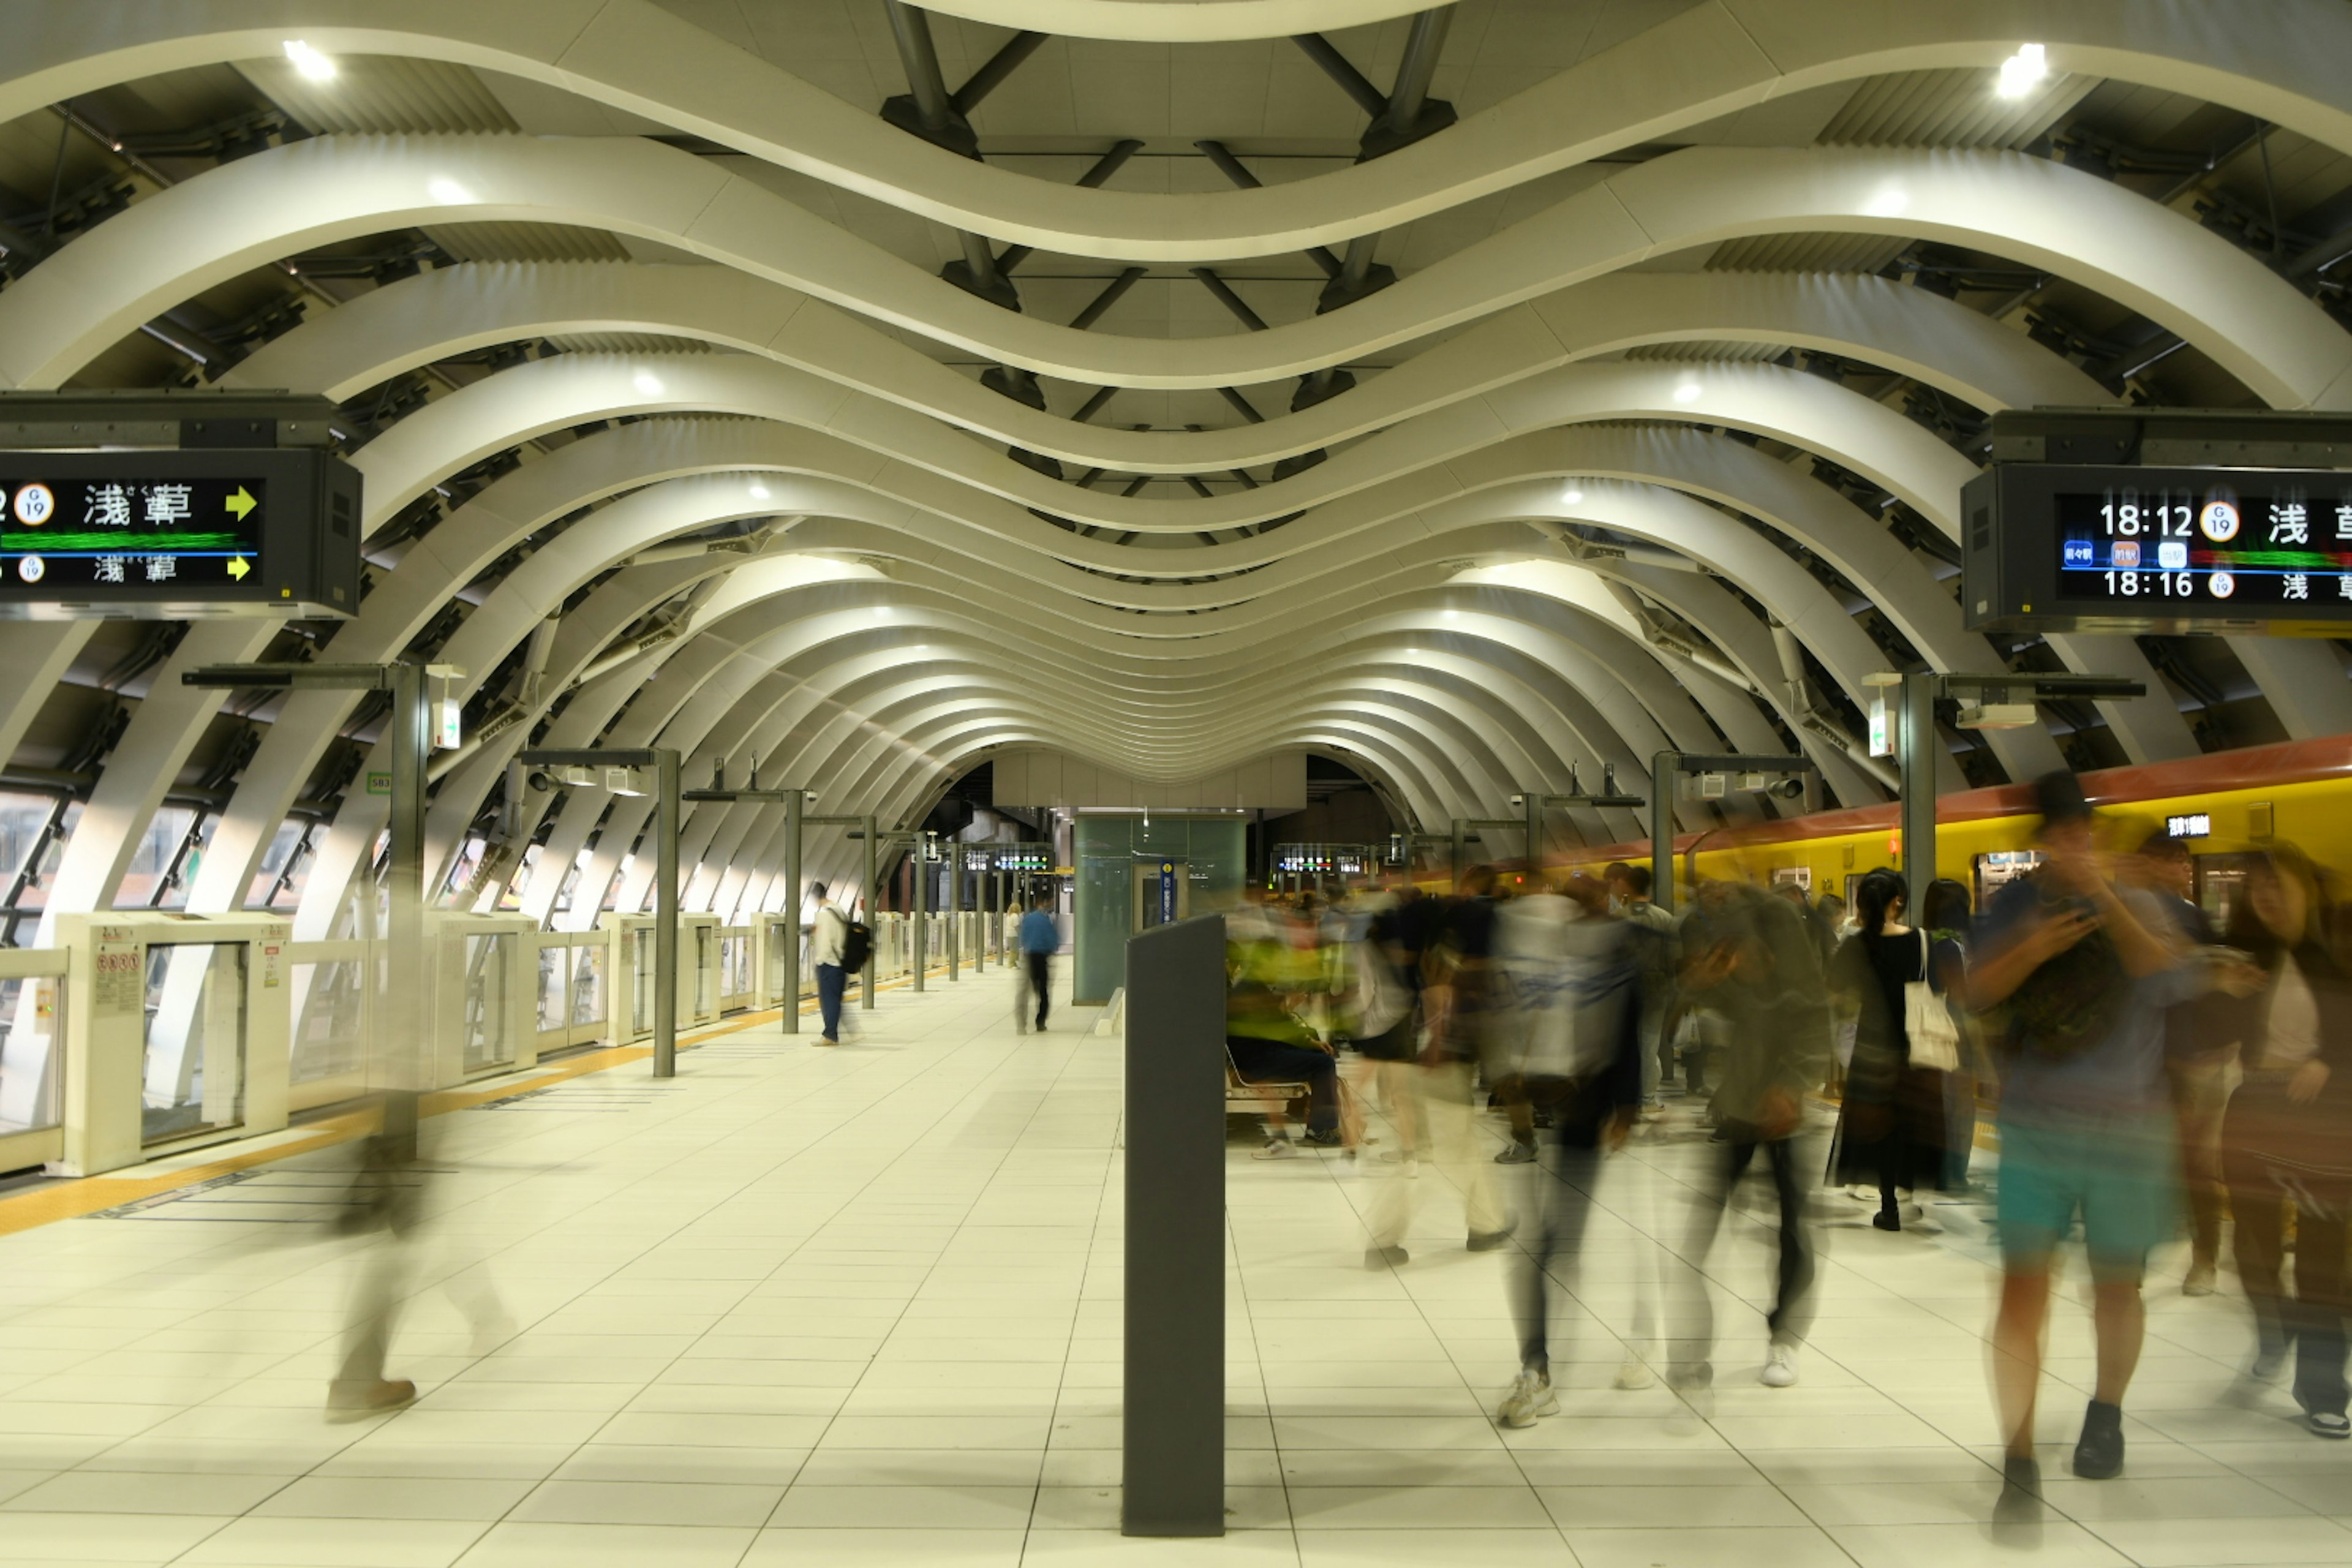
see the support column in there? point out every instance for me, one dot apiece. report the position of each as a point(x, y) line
point(666, 794)
point(1666, 773)
point(795, 897)
point(407, 971)
point(874, 961)
point(922, 877)
point(1920, 744)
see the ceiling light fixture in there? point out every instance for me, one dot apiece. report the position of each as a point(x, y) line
point(1888, 201)
point(448, 192)
point(1687, 392)
point(1572, 497)
point(759, 492)
point(648, 382)
point(314, 66)
point(2023, 71)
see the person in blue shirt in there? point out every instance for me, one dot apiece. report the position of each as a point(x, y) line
point(1040, 937)
point(2082, 973)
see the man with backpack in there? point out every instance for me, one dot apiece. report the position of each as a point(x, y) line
point(831, 936)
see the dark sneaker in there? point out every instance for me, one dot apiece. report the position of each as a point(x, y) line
point(2099, 1452)
point(1323, 1140)
point(1386, 1257)
point(2017, 1515)
point(1517, 1155)
point(1488, 1241)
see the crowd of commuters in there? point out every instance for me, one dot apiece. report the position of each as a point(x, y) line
point(2146, 1080)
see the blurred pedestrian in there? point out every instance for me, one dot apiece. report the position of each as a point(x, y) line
point(1650, 931)
point(1575, 1024)
point(828, 938)
point(2287, 1139)
point(2197, 1048)
point(1892, 1116)
point(1039, 937)
point(1950, 932)
point(1758, 970)
point(1272, 973)
point(2084, 971)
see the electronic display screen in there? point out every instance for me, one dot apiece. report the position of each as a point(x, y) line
point(2213, 548)
point(174, 533)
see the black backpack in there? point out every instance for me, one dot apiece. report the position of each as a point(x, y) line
point(856, 945)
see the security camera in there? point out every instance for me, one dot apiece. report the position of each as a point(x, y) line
point(541, 780)
point(1786, 789)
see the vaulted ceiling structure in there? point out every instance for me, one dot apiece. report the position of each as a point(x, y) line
point(1467, 393)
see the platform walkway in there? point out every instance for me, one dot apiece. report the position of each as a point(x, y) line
point(814, 1307)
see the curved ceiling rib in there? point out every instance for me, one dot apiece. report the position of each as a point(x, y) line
point(2272, 58)
point(241, 215)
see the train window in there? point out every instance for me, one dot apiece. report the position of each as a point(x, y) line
point(2000, 866)
point(2221, 883)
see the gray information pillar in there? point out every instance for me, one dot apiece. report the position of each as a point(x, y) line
point(1173, 1438)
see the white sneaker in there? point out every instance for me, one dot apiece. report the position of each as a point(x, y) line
point(1635, 1373)
point(1532, 1395)
point(1780, 1367)
point(1277, 1149)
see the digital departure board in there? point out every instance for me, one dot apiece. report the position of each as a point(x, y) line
point(178, 534)
point(2064, 547)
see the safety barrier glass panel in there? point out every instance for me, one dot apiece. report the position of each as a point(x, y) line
point(554, 988)
point(193, 1079)
point(32, 1054)
point(735, 967)
point(488, 959)
point(641, 987)
point(706, 973)
point(331, 1028)
point(587, 986)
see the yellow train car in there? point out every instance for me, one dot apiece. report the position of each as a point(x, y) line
point(2223, 806)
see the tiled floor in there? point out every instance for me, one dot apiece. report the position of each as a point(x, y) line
point(809, 1307)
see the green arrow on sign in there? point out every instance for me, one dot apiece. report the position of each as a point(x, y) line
point(241, 502)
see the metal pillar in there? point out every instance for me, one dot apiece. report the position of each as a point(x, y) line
point(407, 971)
point(980, 908)
point(666, 797)
point(1535, 804)
point(794, 896)
point(921, 878)
point(1666, 773)
point(1919, 744)
point(865, 989)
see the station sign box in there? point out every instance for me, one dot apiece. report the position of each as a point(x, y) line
point(2057, 547)
point(178, 535)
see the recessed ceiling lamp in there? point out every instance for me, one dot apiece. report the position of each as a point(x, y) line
point(446, 191)
point(648, 382)
point(2023, 71)
point(1572, 497)
point(314, 66)
point(759, 491)
point(1687, 392)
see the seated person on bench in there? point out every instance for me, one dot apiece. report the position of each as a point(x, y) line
point(1270, 969)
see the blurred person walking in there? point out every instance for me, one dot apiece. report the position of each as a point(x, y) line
point(1950, 927)
point(1272, 973)
point(1039, 937)
point(2287, 1138)
point(1760, 971)
point(1575, 1022)
point(1651, 932)
point(1892, 1117)
point(2197, 1041)
point(1384, 1025)
point(828, 938)
point(2084, 972)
